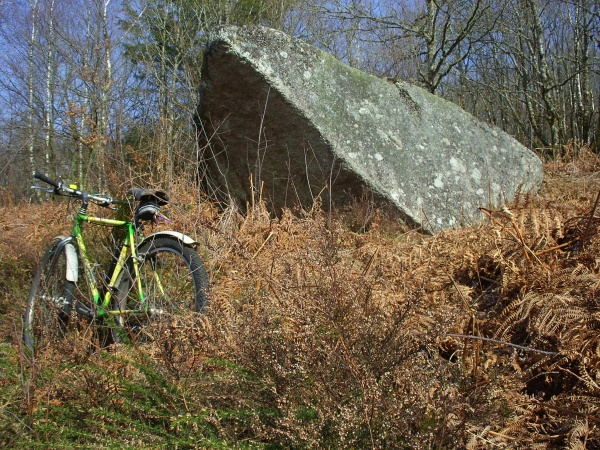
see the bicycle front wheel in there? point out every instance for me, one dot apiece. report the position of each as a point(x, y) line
point(49, 314)
point(173, 282)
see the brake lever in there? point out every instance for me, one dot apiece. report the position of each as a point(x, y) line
point(108, 206)
point(107, 203)
point(40, 188)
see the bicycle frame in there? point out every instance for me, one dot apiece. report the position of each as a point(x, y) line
point(127, 248)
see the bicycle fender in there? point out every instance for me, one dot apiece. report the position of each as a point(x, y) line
point(183, 238)
point(71, 253)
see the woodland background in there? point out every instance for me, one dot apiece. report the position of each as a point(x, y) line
point(98, 86)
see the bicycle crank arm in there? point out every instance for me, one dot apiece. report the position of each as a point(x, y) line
point(84, 310)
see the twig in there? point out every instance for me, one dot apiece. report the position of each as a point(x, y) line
point(465, 302)
point(589, 223)
point(481, 437)
point(503, 436)
point(557, 247)
point(370, 263)
point(567, 411)
point(519, 235)
point(263, 244)
point(588, 382)
point(520, 347)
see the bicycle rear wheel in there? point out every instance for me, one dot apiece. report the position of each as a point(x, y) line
point(49, 314)
point(174, 283)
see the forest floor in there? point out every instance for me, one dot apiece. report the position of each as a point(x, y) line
point(343, 332)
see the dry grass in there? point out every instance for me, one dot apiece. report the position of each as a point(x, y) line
point(321, 337)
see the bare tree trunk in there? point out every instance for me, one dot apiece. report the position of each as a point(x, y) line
point(31, 86)
point(49, 104)
point(105, 88)
point(583, 92)
point(431, 44)
point(546, 82)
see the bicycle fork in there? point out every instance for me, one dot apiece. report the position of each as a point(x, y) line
point(65, 302)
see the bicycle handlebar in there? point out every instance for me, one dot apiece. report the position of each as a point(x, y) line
point(45, 179)
point(61, 189)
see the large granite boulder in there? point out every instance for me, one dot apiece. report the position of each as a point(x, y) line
point(280, 115)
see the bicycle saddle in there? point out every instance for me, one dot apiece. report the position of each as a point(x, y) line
point(157, 195)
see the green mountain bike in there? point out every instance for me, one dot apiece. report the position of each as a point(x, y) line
point(151, 279)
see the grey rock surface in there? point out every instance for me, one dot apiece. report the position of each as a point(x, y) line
point(302, 124)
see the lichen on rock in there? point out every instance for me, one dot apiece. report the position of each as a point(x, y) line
point(302, 124)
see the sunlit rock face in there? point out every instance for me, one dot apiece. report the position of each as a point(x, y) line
point(282, 117)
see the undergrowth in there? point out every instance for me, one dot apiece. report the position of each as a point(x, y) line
point(321, 337)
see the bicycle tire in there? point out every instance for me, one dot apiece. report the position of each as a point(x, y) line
point(174, 282)
point(48, 321)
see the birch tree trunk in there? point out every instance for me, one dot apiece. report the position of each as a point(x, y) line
point(31, 85)
point(50, 87)
point(584, 99)
point(105, 88)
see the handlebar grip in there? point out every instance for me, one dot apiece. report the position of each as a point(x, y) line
point(45, 179)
